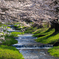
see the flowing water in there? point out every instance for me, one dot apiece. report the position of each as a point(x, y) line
point(31, 49)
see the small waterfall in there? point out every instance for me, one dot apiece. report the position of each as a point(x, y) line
point(26, 41)
point(32, 46)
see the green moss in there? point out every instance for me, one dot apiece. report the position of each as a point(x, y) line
point(54, 51)
point(8, 27)
point(15, 34)
point(8, 52)
point(30, 30)
point(4, 25)
point(47, 38)
point(9, 40)
point(40, 32)
point(1, 24)
point(8, 47)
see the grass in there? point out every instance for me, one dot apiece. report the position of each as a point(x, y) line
point(6, 50)
point(9, 40)
point(1, 24)
point(8, 27)
point(30, 30)
point(40, 32)
point(48, 38)
point(17, 26)
point(15, 34)
point(9, 52)
point(54, 51)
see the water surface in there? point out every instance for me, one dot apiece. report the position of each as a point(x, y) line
point(31, 49)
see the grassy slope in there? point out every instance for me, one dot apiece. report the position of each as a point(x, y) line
point(40, 32)
point(48, 38)
point(30, 30)
point(45, 39)
point(9, 52)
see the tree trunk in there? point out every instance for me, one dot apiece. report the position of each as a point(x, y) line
point(55, 24)
point(56, 27)
point(48, 25)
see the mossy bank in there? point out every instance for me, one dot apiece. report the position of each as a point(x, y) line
point(48, 36)
point(6, 49)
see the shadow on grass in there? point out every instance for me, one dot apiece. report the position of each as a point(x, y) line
point(48, 30)
point(43, 33)
point(52, 34)
point(43, 39)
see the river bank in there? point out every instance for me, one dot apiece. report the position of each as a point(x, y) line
point(6, 50)
point(49, 36)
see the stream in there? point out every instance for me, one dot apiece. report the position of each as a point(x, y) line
point(31, 49)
